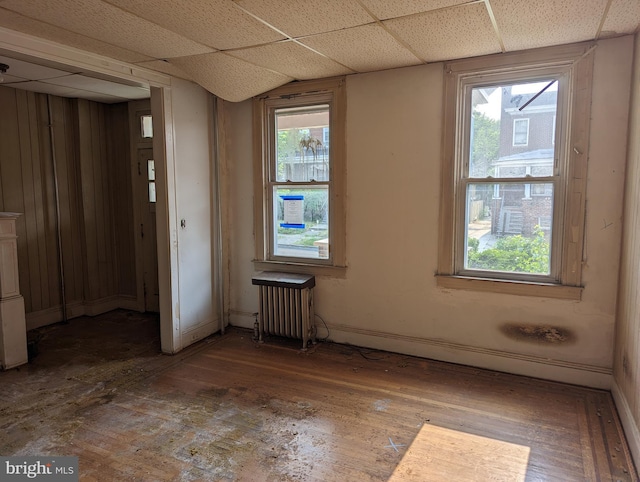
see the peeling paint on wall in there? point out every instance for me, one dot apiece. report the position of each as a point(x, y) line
point(538, 333)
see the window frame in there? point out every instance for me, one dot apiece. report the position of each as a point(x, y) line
point(575, 64)
point(299, 94)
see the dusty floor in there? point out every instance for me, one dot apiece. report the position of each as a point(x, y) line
point(230, 409)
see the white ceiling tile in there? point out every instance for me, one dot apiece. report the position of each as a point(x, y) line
point(165, 67)
point(526, 24)
point(216, 23)
point(97, 97)
point(28, 70)
point(452, 33)
point(23, 24)
point(35, 86)
point(623, 18)
point(364, 49)
point(7, 79)
point(228, 77)
point(307, 17)
point(100, 86)
point(384, 9)
point(293, 60)
point(109, 24)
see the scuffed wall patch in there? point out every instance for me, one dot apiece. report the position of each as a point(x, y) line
point(538, 333)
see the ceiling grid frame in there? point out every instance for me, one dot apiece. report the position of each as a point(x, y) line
point(389, 35)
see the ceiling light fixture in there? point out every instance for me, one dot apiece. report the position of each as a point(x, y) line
point(3, 70)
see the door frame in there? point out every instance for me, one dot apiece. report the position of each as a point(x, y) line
point(136, 142)
point(51, 53)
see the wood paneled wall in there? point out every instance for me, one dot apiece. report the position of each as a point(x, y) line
point(91, 145)
point(627, 352)
point(119, 153)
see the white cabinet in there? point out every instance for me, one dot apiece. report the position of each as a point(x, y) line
point(13, 327)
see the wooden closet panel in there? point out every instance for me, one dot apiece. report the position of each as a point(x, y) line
point(47, 187)
point(75, 202)
point(85, 157)
point(107, 180)
point(91, 142)
point(29, 157)
point(68, 187)
point(122, 200)
point(99, 236)
point(102, 229)
point(38, 128)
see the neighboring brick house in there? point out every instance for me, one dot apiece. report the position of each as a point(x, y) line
point(527, 140)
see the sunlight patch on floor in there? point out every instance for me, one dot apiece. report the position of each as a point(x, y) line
point(442, 454)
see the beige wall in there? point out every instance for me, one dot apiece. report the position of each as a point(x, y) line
point(182, 144)
point(389, 298)
point(627, 351)
point(92, 156)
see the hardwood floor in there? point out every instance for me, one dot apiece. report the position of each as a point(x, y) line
point(230, 409)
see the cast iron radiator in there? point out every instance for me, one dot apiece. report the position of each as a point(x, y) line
point(286, 305)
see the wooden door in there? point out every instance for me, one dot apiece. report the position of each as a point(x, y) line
point(146, 198)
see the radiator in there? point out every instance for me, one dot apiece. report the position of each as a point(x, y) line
point(285, 306)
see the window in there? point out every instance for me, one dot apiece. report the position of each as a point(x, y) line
point(520, 132)
point(512, 218)
point(146, 126)
point(151, 178)
point(299, 195)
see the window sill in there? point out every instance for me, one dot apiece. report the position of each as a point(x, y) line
point(520, 288)
point(304, 268)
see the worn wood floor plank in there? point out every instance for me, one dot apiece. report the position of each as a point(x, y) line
point(231, 409)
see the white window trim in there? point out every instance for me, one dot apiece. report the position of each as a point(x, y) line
point(309, 91)
point(513, 142)
point(577, 62)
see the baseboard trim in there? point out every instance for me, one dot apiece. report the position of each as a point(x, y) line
point(631, 429)
point(52, 315)
point(198, 332)
point(242, 319)
point(516, 363)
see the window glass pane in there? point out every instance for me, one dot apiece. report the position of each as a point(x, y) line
point(146, 127)
point(511, 131)
point(152, 192)
point(509, 227)
point(301, 227)
point(151, 170)
point(520, 132)
point(301, 151)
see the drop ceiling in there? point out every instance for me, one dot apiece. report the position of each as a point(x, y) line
point(241, 48)
point(65, 81)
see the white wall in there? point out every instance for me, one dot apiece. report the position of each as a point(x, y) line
point(185, 262)
point(389, 298)
point(626, 390)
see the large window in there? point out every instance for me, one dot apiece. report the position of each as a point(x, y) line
point(299, 211)
point(511, 210)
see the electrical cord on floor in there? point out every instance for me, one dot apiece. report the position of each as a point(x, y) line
point(325, 327)
point(365, 354)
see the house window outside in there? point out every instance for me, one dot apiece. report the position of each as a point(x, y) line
point(509, 212)
point(299, 216)
point(520, 132)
